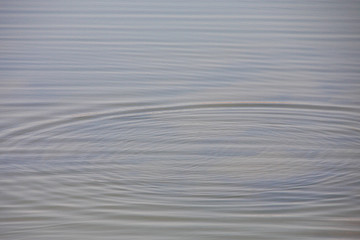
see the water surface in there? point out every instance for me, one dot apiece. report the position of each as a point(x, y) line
point(179, 119)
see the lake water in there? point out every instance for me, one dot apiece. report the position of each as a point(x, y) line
point(170, 120)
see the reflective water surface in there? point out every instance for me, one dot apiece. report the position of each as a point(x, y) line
point(179, 119)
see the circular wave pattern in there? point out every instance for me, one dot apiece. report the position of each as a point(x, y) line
point(181, 169)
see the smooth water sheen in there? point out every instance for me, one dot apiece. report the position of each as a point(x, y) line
point(170, 120)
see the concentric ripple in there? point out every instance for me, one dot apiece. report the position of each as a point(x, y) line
point(185, 168)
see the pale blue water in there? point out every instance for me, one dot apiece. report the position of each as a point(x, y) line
point(179, 119)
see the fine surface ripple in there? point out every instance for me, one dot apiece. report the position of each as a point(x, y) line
point(179, 120)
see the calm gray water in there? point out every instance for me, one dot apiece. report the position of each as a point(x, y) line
point(192, 119)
